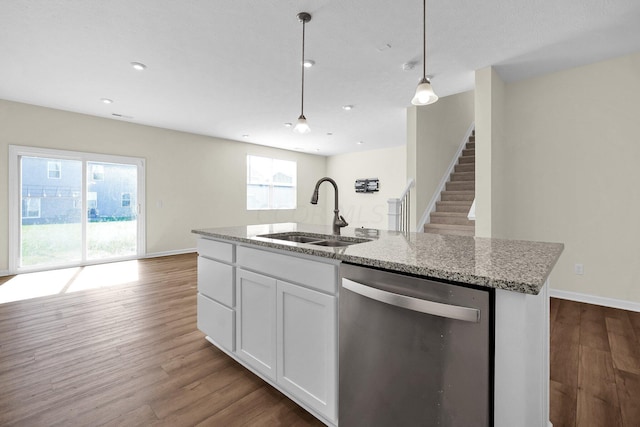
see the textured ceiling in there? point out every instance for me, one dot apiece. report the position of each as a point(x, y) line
point(229, 68)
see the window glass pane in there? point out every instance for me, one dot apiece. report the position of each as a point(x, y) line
point(259, 169)
point(271, 183)
point(257, 196)
point(284, 198)
point(284, 172)
point(50, 227)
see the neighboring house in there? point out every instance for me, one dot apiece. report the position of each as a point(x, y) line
point(51, 191)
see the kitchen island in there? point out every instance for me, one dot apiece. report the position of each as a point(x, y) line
point(248, 275)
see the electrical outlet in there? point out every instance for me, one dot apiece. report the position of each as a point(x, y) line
point(579, 269)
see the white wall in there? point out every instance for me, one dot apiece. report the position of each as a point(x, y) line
point(570, 173)
point(434, 133)
point(367, 210)
point(201, 181)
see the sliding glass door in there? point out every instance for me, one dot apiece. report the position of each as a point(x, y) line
point(51, 213)
point(112, 217)
point(71, 208)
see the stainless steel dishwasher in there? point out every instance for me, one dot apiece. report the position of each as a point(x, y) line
point(413, 352)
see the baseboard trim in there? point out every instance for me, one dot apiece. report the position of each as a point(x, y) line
point(169, 253)
point(4, 273)
point(594, 299)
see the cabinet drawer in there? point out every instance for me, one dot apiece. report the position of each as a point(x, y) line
point(216, 250)
point(215, 280)
point(217, 321)
point(313, 274)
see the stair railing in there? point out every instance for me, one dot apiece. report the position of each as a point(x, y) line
point(431, 207)
point(400, 210)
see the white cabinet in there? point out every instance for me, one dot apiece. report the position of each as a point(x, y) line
point(277, 315)
point(306, 336)
point(216, 299)
point(256, 321)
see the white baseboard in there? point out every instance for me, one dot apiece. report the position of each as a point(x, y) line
point(168, 253)
point(4, 273)
point(594, 299)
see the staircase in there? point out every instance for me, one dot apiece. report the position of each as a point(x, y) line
point(450, 216)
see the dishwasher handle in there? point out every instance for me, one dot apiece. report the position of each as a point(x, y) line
point(416, 304)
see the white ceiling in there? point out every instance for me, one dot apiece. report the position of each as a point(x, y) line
point(229, 68)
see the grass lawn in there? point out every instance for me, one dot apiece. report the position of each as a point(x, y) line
point(62, 243)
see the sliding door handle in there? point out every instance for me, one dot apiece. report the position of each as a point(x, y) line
point(416, 304)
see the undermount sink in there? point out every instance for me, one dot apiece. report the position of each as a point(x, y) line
point(315, 239)
point(333, 243)
point(297, 239)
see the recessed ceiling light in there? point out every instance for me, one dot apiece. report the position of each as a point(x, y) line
point(246, 135)
point(308, 63)
point(317, 149)
point(329, 133)
point(360, 142)
point(407, 66)
point(106, 100)
point(347, 107)
point(288, 125)
point(138, 66)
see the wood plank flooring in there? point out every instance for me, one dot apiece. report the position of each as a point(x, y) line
point(131, 355)
point(128, 355)
point(595, 365)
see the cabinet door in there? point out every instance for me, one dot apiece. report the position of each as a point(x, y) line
point(307, 346)
point(256, 321)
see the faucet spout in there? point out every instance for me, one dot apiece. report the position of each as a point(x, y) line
point(338, 220)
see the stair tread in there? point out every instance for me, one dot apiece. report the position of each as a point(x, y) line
point(465, 192)
point(463, 176)
point(451, 226)
point(452, 214)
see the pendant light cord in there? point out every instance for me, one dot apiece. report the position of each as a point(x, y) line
point(424, 39)
point(302, 65)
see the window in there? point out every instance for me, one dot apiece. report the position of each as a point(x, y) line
point(31, 207)
point(126, 200)
point(97, 172)
point(271, 183)
point(54, 169)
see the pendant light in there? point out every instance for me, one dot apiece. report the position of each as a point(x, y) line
point(301, 125)
point(424, 92)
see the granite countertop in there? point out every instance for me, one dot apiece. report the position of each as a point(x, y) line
point(514, 265)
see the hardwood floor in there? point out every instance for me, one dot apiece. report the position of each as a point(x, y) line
point(128, 355)
point(131, 355)
point(595, 365)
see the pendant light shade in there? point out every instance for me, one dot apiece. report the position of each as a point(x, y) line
point(424, 92)
point(302, 126)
